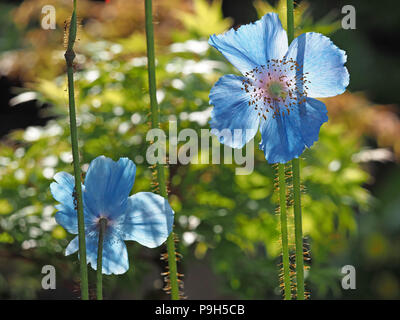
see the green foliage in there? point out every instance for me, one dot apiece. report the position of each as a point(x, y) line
point(9, 34)
point(206, 19)
point(303, 21)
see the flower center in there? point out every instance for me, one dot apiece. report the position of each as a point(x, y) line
point(276, 87)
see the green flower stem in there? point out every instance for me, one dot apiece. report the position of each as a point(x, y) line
point(69, 58)
point(296, 187)
point(155, 121)
point(99, 272)
point(284, 232)
point(298, 230)
point(290, 21)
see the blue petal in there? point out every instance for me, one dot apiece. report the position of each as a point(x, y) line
point(285, 137)
point(253, 44)
point(62, 191)
point(63, 188)
point(115, 255)
point(311, 115)
point(72, 247)
point(324, 62)
point(108, 184)
point(147, 220)
point(232, 111)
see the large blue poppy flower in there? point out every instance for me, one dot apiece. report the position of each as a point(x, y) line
point(144, 217)
point(277, 88)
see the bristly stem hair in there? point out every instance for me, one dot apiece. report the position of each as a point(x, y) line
point(69, 58)
point(296, 187)
point(155, 122)
point(284, 231)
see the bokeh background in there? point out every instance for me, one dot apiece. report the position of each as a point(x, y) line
point(227, 224)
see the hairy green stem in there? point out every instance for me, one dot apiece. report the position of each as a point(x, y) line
point(296, 187)
point(155, 120)
point(284, 231)
point(298, 230)
point(99, 272)
point(69, 58)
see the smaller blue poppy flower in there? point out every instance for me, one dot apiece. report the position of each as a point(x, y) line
point(277, 88)
point(144, 217)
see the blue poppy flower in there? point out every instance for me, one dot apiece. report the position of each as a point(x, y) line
point(144, 217)
point(277, 88)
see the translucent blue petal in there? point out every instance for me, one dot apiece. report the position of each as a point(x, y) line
point(115, 254)
point(62, 191)
point(232, 111)
point(253, 44)
point(108, 184)
point(67, 219)
point(147, 220)
point(311, 115)
point(324, 63)
point(63, 188)
point(285, 137)
point(72, 247)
